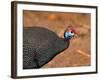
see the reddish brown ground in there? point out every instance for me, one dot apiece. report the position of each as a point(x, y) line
point(78, 53)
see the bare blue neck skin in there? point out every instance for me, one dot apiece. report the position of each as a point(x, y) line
point(68, 35)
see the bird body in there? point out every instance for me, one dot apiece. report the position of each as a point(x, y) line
point(41, 45)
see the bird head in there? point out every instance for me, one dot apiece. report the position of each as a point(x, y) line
point(70, 33)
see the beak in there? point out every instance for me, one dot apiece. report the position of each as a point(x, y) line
point(76, 36)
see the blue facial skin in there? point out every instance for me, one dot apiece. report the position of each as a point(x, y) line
point(68, 35)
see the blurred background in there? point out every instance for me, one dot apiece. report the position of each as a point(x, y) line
point(78, 53)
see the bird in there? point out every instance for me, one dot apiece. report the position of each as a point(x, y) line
point(41, 45)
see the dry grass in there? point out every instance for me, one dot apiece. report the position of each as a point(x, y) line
point(78, 54)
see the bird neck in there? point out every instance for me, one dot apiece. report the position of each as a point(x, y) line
point(67, 41)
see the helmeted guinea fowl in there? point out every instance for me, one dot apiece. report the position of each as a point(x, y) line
point(40, 45)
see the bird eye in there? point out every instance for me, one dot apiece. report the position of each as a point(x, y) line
point(71, 32)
